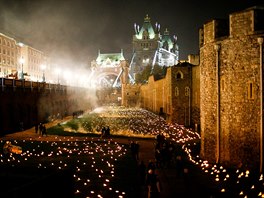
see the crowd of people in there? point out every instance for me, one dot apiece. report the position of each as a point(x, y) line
point(167, 155)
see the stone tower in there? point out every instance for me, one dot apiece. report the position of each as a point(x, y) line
point(150, 47)
point(231, 61)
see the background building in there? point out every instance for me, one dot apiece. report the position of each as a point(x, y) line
point(35, 63)
point(152, 48)
point(9, 56)
point(17, 58)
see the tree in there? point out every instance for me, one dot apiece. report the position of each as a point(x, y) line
point(142, 77)
point(158, 71)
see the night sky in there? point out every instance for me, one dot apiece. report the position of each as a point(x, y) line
point(72, 31)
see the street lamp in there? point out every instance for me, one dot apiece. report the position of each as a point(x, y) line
point(22, 61)
point(43, 67)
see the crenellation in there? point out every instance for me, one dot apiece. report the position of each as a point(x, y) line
point(241, 23)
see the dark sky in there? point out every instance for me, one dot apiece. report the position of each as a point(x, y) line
point(72, 31)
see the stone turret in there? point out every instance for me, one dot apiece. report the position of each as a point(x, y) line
point(230, 96)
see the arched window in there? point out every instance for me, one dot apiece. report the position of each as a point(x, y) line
point(179, 75)
point(145, 35)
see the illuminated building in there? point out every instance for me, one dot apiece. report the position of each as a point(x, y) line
point(33, 63)
point(9, 56)
point(152, 48)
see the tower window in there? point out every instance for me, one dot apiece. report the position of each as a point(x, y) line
point(176, 91)
point(222, 84)
point(250, 91)
point(187, 91)
point(179, 75)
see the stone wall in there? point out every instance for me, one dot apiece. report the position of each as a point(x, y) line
point(28, 106)
point(174, 94)
point(130, 95)
point(234, 89)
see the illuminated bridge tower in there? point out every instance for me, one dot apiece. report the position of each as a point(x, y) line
point(109, 70)
point(152, 48)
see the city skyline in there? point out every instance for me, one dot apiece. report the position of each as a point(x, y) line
point(72, 32)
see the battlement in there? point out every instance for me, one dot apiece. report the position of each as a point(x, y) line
point(245, 22)
point(213, 30)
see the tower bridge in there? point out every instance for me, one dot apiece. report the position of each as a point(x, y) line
point(109, 70)
point(150, 47)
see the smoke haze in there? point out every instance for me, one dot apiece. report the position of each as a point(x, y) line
point(72, 31)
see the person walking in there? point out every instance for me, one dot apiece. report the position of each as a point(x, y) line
point(142, 169)
point(44, 130)
point(36, 128)
point(40, 128)
point(136, 148)
point(153, 184)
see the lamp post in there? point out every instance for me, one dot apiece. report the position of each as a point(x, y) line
point(22, 61)
point(43, 67)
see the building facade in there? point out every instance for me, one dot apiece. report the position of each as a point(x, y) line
point(9, 56)
point(16, 57)
point(35, 64)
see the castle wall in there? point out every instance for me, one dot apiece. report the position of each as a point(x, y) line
point(174, 94)
point(39, 104)
point(230, 81)
point(130, 95)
